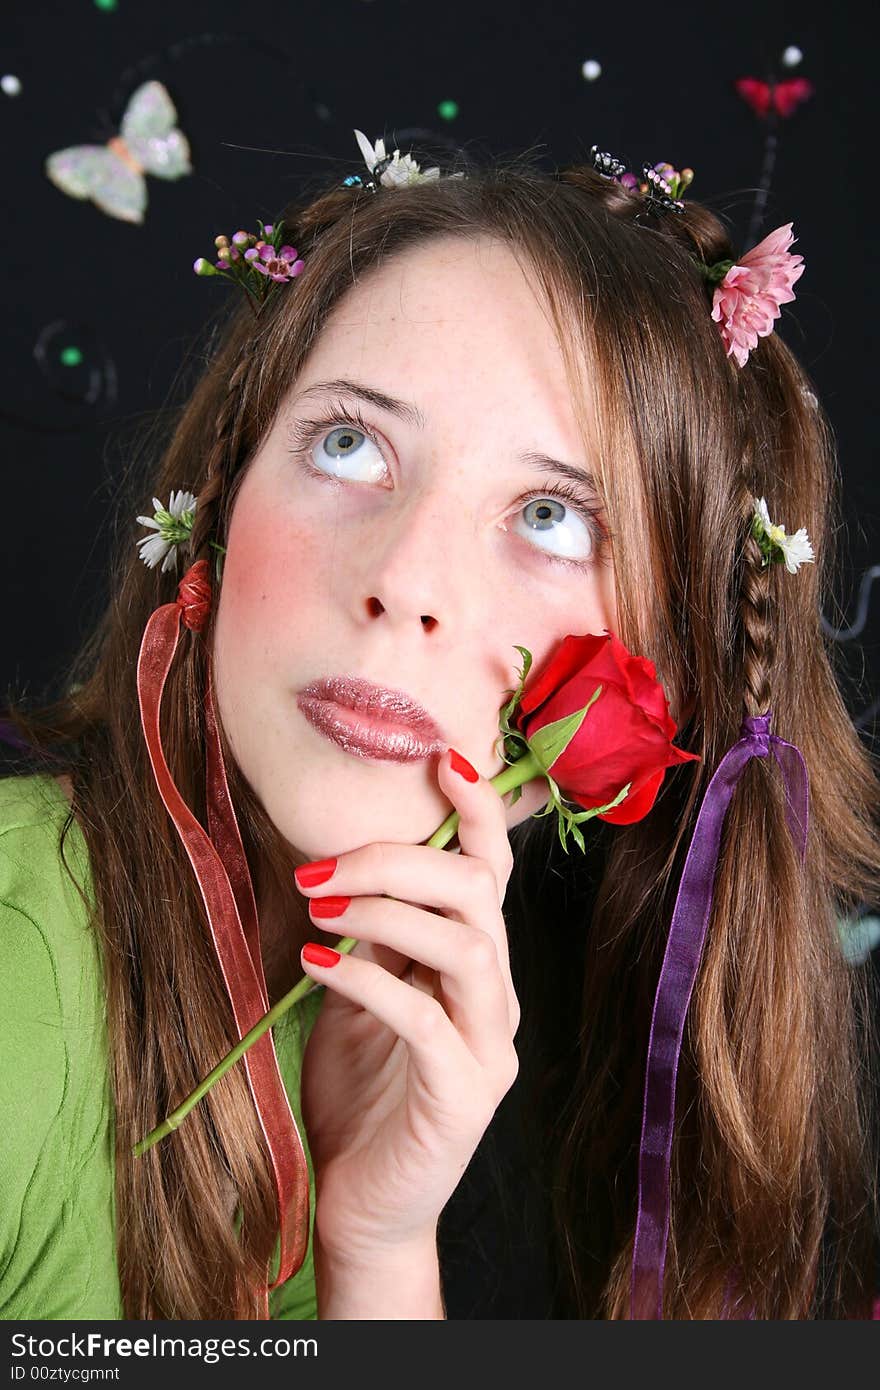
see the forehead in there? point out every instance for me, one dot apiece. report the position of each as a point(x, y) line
point(454, 316)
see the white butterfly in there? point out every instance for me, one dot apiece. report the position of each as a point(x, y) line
point(112, 175)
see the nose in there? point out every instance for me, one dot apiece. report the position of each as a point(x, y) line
point(417, 563)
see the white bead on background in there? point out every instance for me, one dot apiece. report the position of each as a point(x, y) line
point(11, 84)
point(591, 69)
point(792, 56)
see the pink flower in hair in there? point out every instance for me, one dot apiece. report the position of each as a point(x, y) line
point(748, 299)
point(278, 265)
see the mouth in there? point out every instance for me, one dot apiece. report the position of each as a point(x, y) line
point(370, 721)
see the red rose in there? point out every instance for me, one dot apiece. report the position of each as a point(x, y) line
point(626, 736)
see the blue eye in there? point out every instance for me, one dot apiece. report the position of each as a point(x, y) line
point(543, 511)
point(340, 445)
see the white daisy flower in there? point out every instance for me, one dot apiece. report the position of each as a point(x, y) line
point(795, 550)
point(763, 514)
point(172, 527)
point(402, 170)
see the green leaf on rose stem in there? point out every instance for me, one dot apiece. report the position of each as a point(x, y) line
point(514, 748)
point(516, 695)
point(510, 748)
point(513, 745)
point(550, 743)
point(555, 801)
point(600, 810)
point(527, 664)
point(569, 820)
point(567, 826)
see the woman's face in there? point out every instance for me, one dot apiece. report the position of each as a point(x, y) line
point(419, 561)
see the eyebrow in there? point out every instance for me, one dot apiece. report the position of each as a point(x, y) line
point(411, 415)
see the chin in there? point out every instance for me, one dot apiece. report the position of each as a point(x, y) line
point(320, 826)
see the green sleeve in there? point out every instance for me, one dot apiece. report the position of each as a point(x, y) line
point(57, 1162)
point(57, 1244)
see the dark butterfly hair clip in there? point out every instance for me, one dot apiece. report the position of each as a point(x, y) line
point(660, 184)
point(660, 190)
point(355, 180)
point(606, 164)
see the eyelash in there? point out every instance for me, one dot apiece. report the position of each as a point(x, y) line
point(305, 433)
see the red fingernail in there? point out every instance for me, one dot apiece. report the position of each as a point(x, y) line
point(328, 907)
point(310, 875)
point(316, 954)
point(460, 764)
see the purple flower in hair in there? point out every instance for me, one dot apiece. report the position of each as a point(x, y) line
point(278, 265)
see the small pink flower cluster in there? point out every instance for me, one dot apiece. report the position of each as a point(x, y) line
point(748, 299)
point(247, 253)
point(278, 264)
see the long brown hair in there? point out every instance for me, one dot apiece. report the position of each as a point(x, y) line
point(775, 1155)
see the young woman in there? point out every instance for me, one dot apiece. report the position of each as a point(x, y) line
point(490, 411)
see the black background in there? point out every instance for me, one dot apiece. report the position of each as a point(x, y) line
point(269, 95)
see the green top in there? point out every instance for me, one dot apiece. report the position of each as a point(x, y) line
point(57, 1161)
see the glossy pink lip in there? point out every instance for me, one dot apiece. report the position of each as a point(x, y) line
point(371, 721)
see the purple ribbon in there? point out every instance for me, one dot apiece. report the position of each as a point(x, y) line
point(9, 734)
point(679, 971)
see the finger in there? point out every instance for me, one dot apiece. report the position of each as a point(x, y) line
point(460, 886)
point(395, 962)
point(483, 837)
point(423, 874)
point(447, 1067)
point(474, 989)
point(456, 885)
point(482, 829)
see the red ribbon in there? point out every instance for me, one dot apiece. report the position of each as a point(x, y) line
point(221, 868)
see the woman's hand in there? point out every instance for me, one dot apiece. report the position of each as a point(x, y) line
point(413, 1049)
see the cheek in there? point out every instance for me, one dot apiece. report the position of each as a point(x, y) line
point(274, 590)
point(541, 624)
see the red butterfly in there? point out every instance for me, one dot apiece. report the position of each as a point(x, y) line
point(784, 97)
